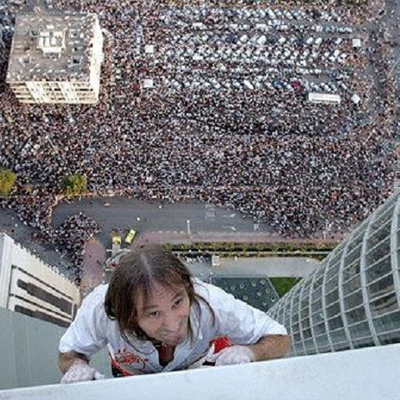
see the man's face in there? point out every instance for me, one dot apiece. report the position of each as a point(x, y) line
point(165, 315)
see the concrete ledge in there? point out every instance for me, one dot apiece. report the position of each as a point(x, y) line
point(368, 374)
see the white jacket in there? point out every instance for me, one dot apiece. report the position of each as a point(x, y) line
point(92, 330)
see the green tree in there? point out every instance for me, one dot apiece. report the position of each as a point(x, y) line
point(74, 185)
point(7, 181)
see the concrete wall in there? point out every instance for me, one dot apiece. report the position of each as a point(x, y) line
point(28, 352)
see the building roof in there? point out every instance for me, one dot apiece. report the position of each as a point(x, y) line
point(256, 291)
point(53, 46)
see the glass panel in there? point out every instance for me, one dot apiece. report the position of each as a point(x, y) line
point(332, 272)
point(295, 318)
point(305, 323)
point(324, 349)
point(332, 284)
point(307, 333)
point(322, 341)
point(389, 338)
point(381, 233)
point(338, 336)
point(384, 305)
point(378, 252)
point(317, 317)
point(355, 241)
point(316, 306)
point(341, 346)
point(319, 329)
point(384, 215)
point(304, 306)
point(359, 330)
point(382, 286)
point(353, 300)
point(351, 270)
point(332, 297)
point(352, 285)
point(333, 310)
point(364, 342)
point(316, 294)
point(387, 323)
point(353, 256)
point(296, 337)
point(383, 267)
point(309, 345)
point(335, 323)
point(298, 350)
point(357, 315)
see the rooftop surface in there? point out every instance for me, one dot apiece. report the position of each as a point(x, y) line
point(52, 46)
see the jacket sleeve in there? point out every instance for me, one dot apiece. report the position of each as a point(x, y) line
point(87, 333)
point(242, 323)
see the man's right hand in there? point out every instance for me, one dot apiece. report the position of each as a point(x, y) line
point(80, 371)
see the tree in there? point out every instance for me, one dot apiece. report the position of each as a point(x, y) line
point(7, 181)
point(74, 185)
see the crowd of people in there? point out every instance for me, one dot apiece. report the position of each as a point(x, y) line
point(72, 235)
point(300, 167)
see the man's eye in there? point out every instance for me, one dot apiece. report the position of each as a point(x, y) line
point(154, 314)
point(178, 302)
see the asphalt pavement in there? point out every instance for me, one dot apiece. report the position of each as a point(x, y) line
point(185, 219)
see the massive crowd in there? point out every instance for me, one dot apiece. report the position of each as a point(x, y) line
point(268, 152)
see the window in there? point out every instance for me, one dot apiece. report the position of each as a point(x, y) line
point(335, 323)
point(332, 297)
point(379, 269)
point(353, 300)
point(384, 304)
point(341, 346)
point(378, 252)
point(382, 286)
point(390, 338)
point(356, 315)
point(333, 310)
point(388, 323)
point(364, 342)
point(381, 233)
point(338, 336)
point(319, 329)
point(360, 330)
point(352, 285)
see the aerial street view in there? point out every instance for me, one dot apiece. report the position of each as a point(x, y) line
point(244, 145)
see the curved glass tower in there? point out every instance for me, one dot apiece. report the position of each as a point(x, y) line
point(352, 299)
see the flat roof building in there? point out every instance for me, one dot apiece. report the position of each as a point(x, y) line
point(56, 58)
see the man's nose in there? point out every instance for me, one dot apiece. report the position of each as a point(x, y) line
point(171, 323)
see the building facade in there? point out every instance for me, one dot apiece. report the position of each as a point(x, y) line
point(33, 288)
point(352, 299)
point(56, 58)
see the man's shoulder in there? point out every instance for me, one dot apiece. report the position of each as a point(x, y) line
point(208, 291)
point(96, 296)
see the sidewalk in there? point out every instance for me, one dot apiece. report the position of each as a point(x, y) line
point(181, 237)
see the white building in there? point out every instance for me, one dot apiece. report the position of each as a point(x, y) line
point(29, 286)
point(56, 58)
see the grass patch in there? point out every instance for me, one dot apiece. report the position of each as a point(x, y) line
point(283, 285)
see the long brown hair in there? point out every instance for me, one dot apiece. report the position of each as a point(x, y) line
point(135, 274)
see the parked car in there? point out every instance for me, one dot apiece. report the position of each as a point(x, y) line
point(116, 239)
point(130, 236)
